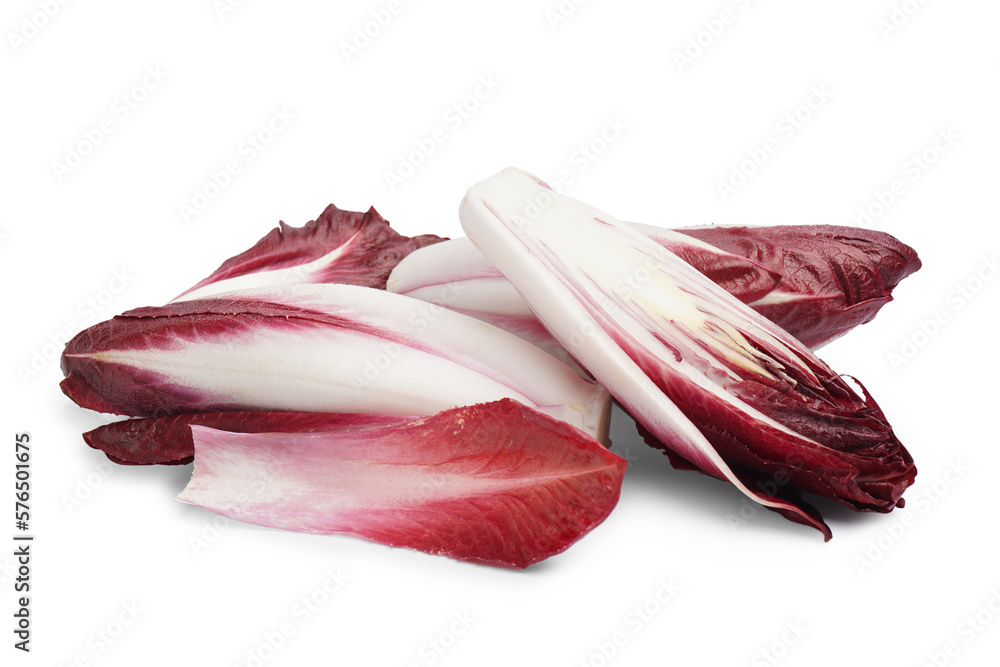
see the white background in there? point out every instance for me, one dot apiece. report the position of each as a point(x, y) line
point(108, 540)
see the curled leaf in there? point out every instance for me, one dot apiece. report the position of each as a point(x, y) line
point(337, 247)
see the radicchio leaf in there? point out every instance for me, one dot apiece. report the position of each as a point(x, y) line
point(722, 387)
point(316, 348)
point(498, 483)
point(167, 440)
point(832, 278)
point(337, 247)
point(815, 281)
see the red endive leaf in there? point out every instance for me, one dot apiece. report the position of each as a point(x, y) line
point(817, 282)
point(316, 348)
point(495, 483)
point(167, 440)
point(337, 247)
point(832, 278)
point(721, 386)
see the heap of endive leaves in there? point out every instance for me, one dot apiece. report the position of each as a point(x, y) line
point(454, 396)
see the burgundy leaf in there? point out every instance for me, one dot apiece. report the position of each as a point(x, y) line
point(726, 390)
point(338, 247)
point(831, 278)
point(316, 348)
point(167, 440)
point(815, 281)
point(495, 483)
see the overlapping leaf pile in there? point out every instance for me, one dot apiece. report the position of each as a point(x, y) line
point(454, 396)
